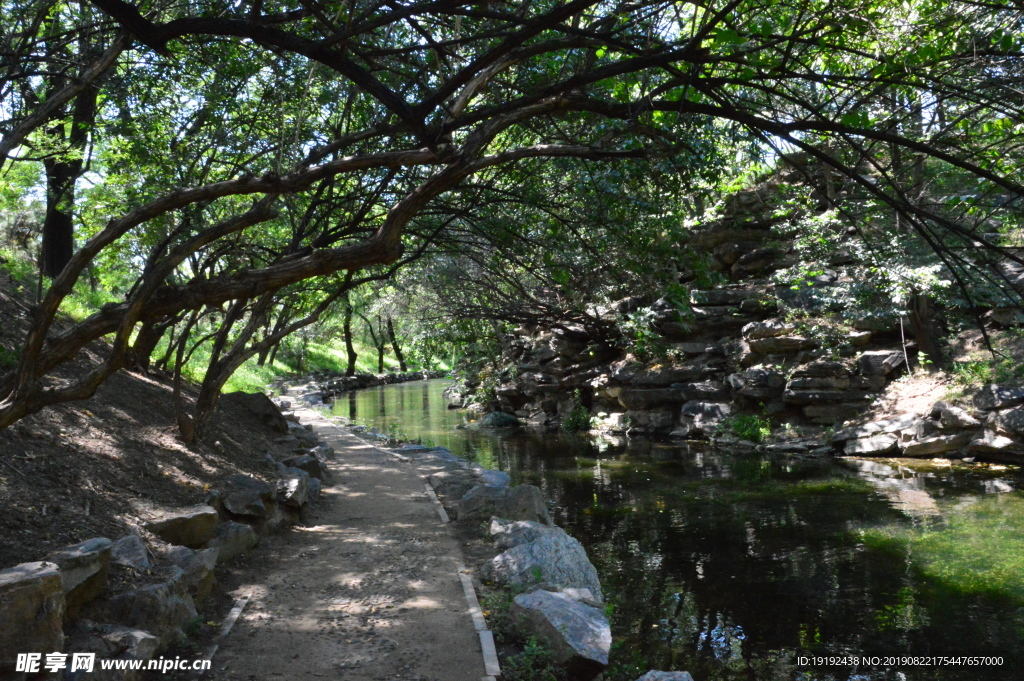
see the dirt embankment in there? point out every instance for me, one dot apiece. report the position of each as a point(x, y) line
point(97, 468)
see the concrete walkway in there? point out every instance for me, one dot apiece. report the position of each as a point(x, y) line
point(368, 590)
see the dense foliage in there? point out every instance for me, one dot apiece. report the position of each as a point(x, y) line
point(230, 173)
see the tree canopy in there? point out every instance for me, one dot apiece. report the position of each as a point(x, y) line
point(257, 160)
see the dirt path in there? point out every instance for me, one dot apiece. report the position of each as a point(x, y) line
point(368, 590)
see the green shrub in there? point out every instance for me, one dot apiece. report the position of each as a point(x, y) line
point(747, 427)
point(578, 417)
point(535, 663)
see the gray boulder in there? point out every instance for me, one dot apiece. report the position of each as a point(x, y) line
point(322, 451)
point(703, 391)
point(262, 406)
point(553, 557)
point(932, 446)
point(191, 528)
point(879, 362)
point(453, 483)
point(770, 328)
point(701, 419)
point(232, 540)
point(498, 419)
point(492, 477)
point(198, 572)
point(833, 412)
point(83, 569)
point(131, 551)
point(163, 608)
point(578, 635)
point(293, 487)
point(31, 612)
point(815, 397)
point(110, 642)
point(820, 369)
point(874, 445)
point(522, 502)
point(1008, 421)
point(758, 383)
point(308, 463)
point(955, 418)
point(647, 398)
point(666, 676)
point(995, 447)
point(508, 534)
point(780, 344)
point(907, 421)
point(247, 497)
point(998, 397)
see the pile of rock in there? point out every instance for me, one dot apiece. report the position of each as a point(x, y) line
point(330, 385)
point(168, 564)
point(769, 366)
point(991, 432)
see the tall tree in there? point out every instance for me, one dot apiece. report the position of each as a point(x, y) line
point(342, 130)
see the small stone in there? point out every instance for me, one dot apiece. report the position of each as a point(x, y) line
point(130, 550)
point(666, 676)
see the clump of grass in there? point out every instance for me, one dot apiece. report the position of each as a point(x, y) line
point(535, 663)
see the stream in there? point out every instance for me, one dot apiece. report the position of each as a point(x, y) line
point(734, 566)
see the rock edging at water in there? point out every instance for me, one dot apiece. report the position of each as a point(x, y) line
point(559, 600)
point(323, 387)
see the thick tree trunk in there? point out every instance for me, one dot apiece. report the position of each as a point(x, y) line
point(925, 326)
point(61, 174)
point(394, 345)
point(381, 342)
point(349, 348)
point(145, 343)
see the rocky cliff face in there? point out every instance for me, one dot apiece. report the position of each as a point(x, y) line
point(751, 346)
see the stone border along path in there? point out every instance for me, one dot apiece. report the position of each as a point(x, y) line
point(372, 588)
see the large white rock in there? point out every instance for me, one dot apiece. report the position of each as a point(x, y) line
point(553, 557)
point(579, 635)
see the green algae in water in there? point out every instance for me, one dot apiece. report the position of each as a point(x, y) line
point(977, 548)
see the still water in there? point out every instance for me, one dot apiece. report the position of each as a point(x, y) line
point(734, 566)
